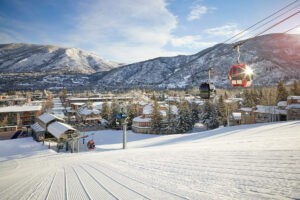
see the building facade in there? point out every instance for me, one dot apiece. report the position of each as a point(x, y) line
point(293, 108)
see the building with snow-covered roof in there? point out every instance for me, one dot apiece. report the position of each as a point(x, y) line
point(142, 124)
point(47, 118)
point(62, 131)
point(235, 118)
point(41, 128)
point(265, 114)
point(247, 115)
point(88, 114)
point(20, 115)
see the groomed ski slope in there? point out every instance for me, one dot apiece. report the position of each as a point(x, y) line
point(242, 162)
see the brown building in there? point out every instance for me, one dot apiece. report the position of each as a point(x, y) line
point(247, 115)
point(19, 115)
point(293, 108)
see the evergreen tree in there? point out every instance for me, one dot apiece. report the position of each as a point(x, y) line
point(222, 111)
point(247, 99)
point(282, 93)
point(132, 111)
point(170, 120)
point(156, 118)
point(261, 98)
point(295, 90)
point(185, 122)
point(269, 96)
point(115, 109)
point(106, 111)
point(209, 116)
point(254, 94)
point(195, 109)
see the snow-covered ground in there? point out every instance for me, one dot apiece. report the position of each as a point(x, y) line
point(242, 162)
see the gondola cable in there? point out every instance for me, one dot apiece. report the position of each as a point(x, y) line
point(248, 77)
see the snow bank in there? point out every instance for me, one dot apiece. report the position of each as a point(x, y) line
point(18, 148)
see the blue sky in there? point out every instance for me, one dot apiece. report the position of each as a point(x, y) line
point(134, 30)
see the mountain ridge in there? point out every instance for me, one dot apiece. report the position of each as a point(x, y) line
point(273, 57)
point(20, 57)
point(274, 54)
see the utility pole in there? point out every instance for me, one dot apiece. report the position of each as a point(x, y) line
point(123, 118)
point(124, 134)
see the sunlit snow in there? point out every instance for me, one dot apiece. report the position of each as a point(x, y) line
point(259, 161)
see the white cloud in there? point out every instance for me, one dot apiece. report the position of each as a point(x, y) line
point(225, 30)
point(191, 41)
point(128, 54)
point(196, 12)
point(135, 27)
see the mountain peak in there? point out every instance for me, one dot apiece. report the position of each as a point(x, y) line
point(18, 58)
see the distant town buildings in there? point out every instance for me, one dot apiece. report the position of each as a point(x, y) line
point(142, 124)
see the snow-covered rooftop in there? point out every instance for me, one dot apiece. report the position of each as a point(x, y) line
point(78, 103)
point(37, 127)
point(141, 119)
point(46, 118)
point(57, 129)
point(24, 108)
point(88, 111)
point(266, 109)
point(246, 109)
point(148, 109)
point(282, 103)
point(294, 97)
point(237, 115)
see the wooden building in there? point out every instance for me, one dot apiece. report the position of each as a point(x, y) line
point(293, 108)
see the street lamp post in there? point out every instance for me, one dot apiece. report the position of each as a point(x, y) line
point(124, 134)
point(123, 117)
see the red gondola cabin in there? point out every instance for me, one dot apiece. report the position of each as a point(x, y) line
point(240, 75)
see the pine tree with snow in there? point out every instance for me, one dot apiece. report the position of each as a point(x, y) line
point(170, 120)
point(185, 122)
point(156, 118)
point(282, 93)
point(209, 115)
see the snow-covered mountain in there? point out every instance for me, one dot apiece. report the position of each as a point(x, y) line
point(47, 58)
point(273, 57)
